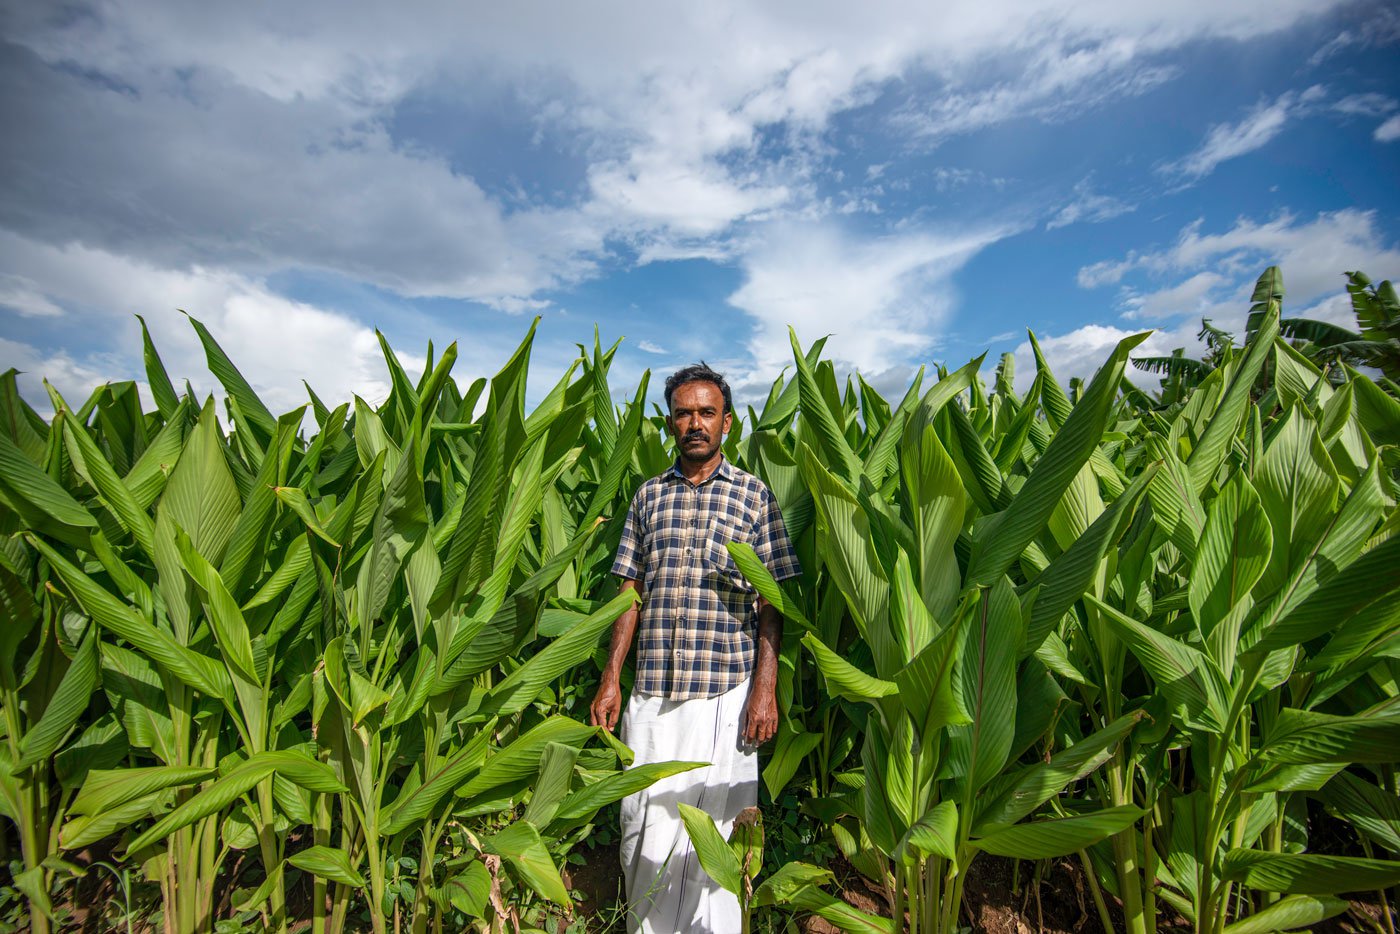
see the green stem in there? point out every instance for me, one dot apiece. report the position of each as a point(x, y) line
point(1104, 918)
point(271, 850)
point(1125, 854)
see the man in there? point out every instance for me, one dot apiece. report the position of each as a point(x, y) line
point(707, 657)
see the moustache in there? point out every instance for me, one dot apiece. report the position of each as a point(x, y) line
point(695, 436)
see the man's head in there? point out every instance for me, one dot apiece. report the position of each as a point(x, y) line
point(700, 411)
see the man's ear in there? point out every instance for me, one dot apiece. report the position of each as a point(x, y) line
point(728, 421)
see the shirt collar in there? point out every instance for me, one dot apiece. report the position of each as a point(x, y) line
point(725, 471)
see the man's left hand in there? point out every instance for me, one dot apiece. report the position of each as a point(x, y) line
point(760, 717)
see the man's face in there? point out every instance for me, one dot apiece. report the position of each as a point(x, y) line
point(698, 420)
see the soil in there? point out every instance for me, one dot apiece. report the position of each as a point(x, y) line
point(1060, 903)
point(995, 901)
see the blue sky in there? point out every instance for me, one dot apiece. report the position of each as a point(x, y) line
point(922, 182)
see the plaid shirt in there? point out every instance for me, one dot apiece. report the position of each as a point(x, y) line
point(699, 618)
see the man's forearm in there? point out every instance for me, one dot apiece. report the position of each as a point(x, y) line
point(770, 640)
point(623, 631)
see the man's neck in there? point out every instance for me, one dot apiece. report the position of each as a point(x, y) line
point(698, 472)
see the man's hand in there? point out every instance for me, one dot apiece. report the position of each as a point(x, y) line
point(760, 716)
point(607, 704)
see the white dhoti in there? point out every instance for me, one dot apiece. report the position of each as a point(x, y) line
point(667, 891)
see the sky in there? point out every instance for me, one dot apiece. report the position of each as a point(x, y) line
point(922, 182)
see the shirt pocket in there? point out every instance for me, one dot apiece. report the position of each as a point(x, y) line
point(723, 530)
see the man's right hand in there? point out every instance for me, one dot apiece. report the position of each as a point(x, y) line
point(607, 704)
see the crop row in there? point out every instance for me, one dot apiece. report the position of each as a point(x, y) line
point(341, 673)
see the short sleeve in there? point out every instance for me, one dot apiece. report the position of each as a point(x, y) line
point(628, 564)
point(771, 542)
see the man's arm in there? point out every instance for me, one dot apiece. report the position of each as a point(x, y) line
point(761, 715)
point(607, 703)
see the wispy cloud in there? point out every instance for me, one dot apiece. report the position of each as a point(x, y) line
point(650, 347)
point(1226, 141)
point(1088, 205)
point(1389, 131)
point(883, 300)
point(1211, 274)
point(1370, 104)
point(23, 296)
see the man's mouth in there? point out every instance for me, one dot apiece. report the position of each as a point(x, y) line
point(691, 439)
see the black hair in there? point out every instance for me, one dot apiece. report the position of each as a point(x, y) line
point(698, 373)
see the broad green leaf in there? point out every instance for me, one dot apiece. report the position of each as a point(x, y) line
point(35, 493)
point(986, 681)
point(162, 390)
point(1308, 873)
point(1187, 676)
point(845, 679)
point(106, 789)
point(328, 863)
point(790, 749)
point(936, 833)
point(1232, 556)
point(1367, 807)
point(1298, 486)
point(201, 497)
point(1306, 737)
point(1365, 588)
point(937, 506)
point(757, 574)
point(521, 759)
point(226, 619)
point(1016, 795)
point(1208, 454)
point(520, 845)
point(1057, 837)
point(844, 916)
point(1289, 914)
point(84, 830)
point(238, 388)
point(1072, 572)
point(64, 707)
point(927, 685)
point(850, 559)
point(552, 786)
point(824, 421)
point(716, 858)
point(238, 781)
point(198, 671)
point(90, 463)
point(358, 694)
point(783, 885)
point(1002, 538)
point(586, 801)
point(524, 684)
point(416, 802)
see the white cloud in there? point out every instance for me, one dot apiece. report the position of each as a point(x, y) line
point(1185, 298)
point(23, 296)
point(1088, 205)
point(1080, 353)
point(1061, 76)
point(1312, 254)
point(1226, 141)
point(1389, 131)
point(1173, 297)
point(75, 379)
point(259, 138)
point(649, 347)
point(273, 341)
point(1366, 105)
point(881, 300)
